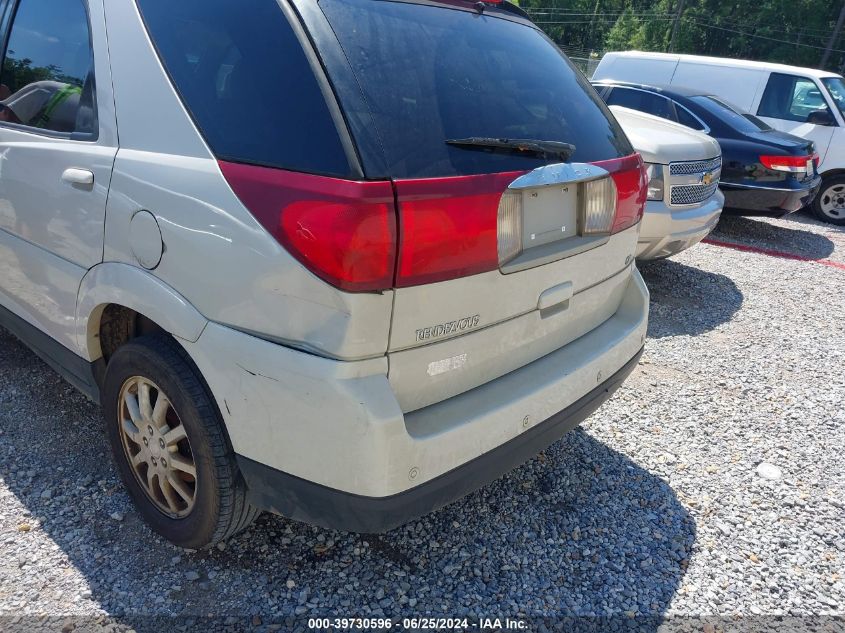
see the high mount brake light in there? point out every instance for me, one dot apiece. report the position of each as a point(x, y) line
point(352, 234)
point(791, 164)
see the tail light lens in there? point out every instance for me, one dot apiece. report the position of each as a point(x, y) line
point(631, 180)
point(509, 226)
point(342, 231)
point(599, 206)
point(448, 227)
point(791, 164)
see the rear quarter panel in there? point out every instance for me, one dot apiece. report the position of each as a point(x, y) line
point(216, 254)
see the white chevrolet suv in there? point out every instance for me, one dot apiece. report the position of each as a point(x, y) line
point(684, 166)
point(345, 261)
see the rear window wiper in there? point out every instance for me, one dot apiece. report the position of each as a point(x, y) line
point(515, 145)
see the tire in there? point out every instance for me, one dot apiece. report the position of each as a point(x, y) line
point(829, 205)
point(191, 511)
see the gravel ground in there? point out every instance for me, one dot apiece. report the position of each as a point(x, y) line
point(712, 485)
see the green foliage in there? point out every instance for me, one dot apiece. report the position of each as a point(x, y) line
point(794, 32)
point(18, 73)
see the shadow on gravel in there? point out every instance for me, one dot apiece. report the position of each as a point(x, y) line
point(579, 532)
point(758, 232)
point(687, 301)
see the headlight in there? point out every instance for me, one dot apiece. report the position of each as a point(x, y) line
point(655, 181)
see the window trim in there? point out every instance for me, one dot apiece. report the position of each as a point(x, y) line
point(7, 22)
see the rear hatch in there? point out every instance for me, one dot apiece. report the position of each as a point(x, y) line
point(506, 250)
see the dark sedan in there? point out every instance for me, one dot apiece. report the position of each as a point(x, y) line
point(764, 171)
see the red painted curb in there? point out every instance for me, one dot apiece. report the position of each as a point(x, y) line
point(774, 253)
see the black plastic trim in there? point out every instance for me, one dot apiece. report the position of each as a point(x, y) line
point(313, 503)
point(72, 367)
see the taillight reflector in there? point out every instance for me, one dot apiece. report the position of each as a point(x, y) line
point(342, 231)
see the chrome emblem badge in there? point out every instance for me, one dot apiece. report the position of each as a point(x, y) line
point(450, 327)
point(707, 178)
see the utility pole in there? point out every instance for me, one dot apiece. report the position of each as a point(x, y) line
point(677, 24)
point(593, 24)
point(833, 37)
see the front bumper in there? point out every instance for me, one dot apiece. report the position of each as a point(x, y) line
point(668, 230)
point(768, 201)
point(326, 442)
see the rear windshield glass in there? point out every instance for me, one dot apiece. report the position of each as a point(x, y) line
point(731, 116)
point(243, 75)
point(431, 73)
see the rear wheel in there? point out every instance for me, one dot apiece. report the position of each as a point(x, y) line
point(829, 205)
point(170, 446)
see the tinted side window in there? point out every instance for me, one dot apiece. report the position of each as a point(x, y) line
point(244, 76)
point(685, 118)
point(791, 98)
point(47, 81)
point(642, 101)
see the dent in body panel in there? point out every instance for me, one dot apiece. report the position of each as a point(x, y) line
point(216, 254)
point(228, 266)
point(278, 402)
point(349, 433)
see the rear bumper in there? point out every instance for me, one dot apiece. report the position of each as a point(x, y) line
point(306, 501)
point(326, 441)
point(669, 230)
point(741, 199)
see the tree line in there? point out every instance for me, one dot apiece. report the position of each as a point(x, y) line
point(795, 32)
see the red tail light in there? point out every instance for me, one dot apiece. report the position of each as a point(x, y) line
point(631, 180)
point(448, 226)
point(342, 231)
point(346, 232)
point(792, 164)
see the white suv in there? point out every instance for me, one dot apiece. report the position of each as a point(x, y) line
point(684, 201)
point(345, 262)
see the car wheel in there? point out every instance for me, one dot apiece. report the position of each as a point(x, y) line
point(829, 204)
point(170, 445)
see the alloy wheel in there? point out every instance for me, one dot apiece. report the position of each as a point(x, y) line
point(156, 446)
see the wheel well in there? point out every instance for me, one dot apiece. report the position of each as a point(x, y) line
point(119, 325)
point(832, 173)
